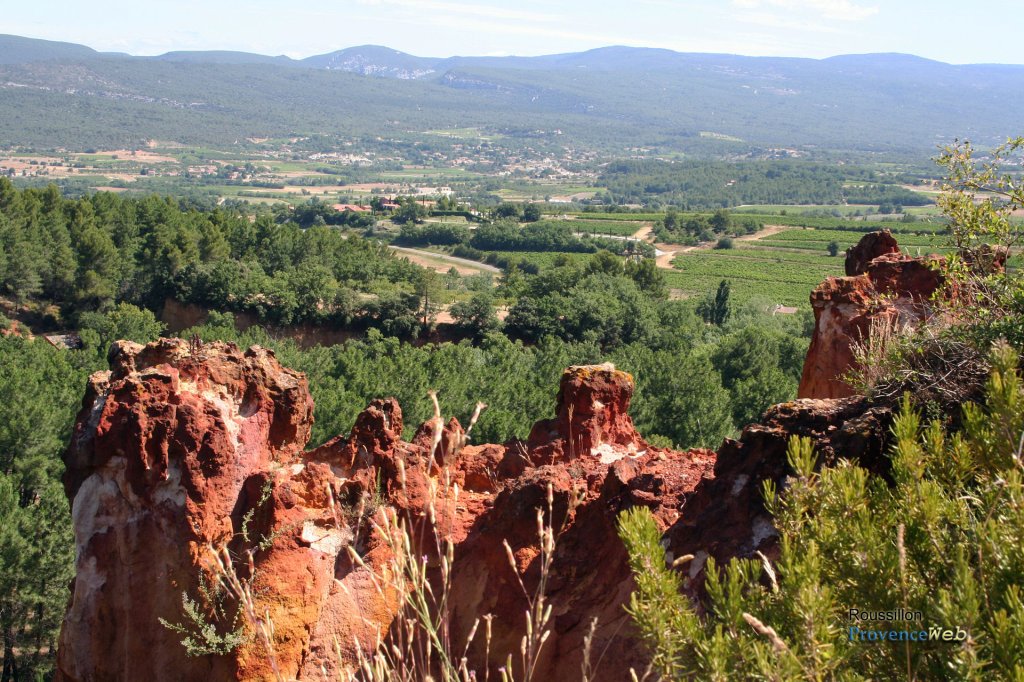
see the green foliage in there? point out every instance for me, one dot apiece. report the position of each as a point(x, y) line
point(647, 276)
point(547, 236)
point(442, 234)
point(979, 200)
point(531, 213)
point(943, 538)
point(759, 367)
point(317, 212)
point(125, 321)
point(665, 618)
point(475, 318)
point(715, 307)
point(507, 210)
point(40, 390)
point(200, 635)
point(602, 308)
point(409, 211)
point(709, 185)
point(679, 395)
point(36, 554)
point(93, 253)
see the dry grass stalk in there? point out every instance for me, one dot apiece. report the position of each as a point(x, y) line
point(926, 361)
point(877, 355)
point(769, 571)
point(263, 626)
point(767, 631)
point(420, 644)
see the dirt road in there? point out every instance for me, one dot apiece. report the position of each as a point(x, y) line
point(667, 252)
point(442, 262)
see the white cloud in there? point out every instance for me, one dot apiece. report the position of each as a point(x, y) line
point(841, 10)
point(769, 20)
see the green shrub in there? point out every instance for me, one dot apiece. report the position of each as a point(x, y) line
point(980, 199)
point(943, 539)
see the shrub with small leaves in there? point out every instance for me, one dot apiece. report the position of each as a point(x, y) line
point(942, 538)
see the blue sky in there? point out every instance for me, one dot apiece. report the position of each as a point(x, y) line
point(948, 30)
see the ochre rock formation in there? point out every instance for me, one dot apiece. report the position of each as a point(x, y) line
point(870, 247)
point(182, 449)
point(884, 288)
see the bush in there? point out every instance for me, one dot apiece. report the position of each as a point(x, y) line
point(942, 539)
point(979, 200)
point(724, 243)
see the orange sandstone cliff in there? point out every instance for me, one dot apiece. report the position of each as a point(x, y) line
point(882, 286)
point(183, 452)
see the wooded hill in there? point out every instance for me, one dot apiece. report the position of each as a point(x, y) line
point(613, 99)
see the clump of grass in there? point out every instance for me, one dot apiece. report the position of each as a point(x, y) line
point(929, 361)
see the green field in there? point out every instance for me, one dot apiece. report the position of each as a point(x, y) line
point(611, 227)
point(424, 173)
point(800, 209)
point(818, 240)
point(777, 276)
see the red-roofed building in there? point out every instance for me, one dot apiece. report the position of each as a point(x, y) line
point(356, 208)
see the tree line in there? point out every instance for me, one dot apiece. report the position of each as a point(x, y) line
point(704, 185)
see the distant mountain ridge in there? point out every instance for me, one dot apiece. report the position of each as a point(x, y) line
point(386, 61)
point(374, 60)
point(19, 50)
point(613, 98)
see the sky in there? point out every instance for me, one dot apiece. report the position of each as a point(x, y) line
point(954, 31)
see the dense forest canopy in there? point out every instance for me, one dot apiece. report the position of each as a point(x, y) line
point(702, 185)
point(90, 253)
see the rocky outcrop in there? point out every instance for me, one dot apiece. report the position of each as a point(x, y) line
point(883, 288)
point(870, 247)
point(184, 453)
point(168, 456)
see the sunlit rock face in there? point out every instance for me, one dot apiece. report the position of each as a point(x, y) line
point(183, 451)
point(882, 287)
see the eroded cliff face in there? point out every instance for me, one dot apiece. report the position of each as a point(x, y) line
point(882, 287)
point(182, 450)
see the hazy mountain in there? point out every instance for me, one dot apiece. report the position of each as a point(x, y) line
point(374, 60)
point(18, 50)
point(614, 99)
point(225, 57)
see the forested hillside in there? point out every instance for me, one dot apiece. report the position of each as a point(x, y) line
point(612, 99)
